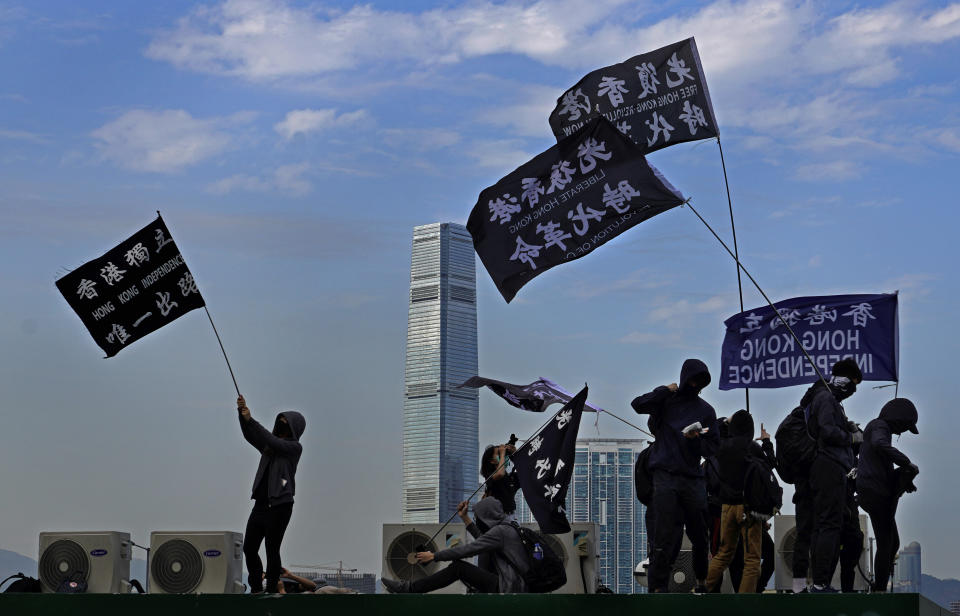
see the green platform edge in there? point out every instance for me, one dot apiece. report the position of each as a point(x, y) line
point(460, 605)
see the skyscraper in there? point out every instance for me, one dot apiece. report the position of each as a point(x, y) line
point(908, 569)
point(602, 491)
point(440, 423)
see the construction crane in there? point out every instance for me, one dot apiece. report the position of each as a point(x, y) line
point(339, 569)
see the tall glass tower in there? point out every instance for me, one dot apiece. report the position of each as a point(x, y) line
point(908, 569)
point(602, 491)
point(440, 423)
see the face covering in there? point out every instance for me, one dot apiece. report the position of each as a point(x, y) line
point(842, 387)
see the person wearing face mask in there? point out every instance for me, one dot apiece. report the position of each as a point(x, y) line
point(273, 489)
point(685, 426)
point(835, 436)
point(878, 484)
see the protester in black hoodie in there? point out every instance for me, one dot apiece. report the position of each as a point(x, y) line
point(273, 490)
point(685, 427)
point(835, 436)
point(878, 484)
point(736, 524)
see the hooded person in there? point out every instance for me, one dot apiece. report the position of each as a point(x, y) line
point(685, 427)
point(736, 525)
point(501, 540)
point(878, 483)
point(273, 489)
point(826, 488)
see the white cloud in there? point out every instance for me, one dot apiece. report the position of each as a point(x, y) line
point(22, 135)
point(303, 121)
point(163, 141)
point(420, 139)
point(238, 182)
point(270, 39)
point(834, 171)
point(499, 153)
point(287, 179)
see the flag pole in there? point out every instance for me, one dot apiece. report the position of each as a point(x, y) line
point(502, 465)
point(217, 334)
point(757, 285)
point(736, 251)
point(229, 367)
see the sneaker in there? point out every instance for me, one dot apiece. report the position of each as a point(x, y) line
point(823, 589)
point(395, 586)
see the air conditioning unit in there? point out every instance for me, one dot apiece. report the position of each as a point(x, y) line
point(784, 537)
point(401, 542)
point(101, 559)
point(682, 577)
point(184, 562)
point(578, 551)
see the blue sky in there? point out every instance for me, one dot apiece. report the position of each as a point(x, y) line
point(292, 146)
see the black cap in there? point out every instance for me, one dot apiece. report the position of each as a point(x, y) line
point(847, 367)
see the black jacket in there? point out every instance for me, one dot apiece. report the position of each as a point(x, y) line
point(279, 456)
point(875, 472)
point(828, 425)
point(732, 457)
point(501, 541)
point(671, 412)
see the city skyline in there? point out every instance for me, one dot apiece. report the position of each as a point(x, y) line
point(292, 145)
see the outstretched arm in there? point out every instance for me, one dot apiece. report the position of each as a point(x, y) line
point(260, 437)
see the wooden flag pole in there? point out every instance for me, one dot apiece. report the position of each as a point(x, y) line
point(736, 251)
point(754, 281)
point(229, 367)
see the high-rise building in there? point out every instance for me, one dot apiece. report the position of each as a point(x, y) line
point(602, 491)
point(440, 423)
point(908, 569)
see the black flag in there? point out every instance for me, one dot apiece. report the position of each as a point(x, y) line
point(536, 396)
point(658, 99)
point(564, 203)
point(545, 465)
point(132, 290)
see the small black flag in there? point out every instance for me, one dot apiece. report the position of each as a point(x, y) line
point(545, 465)
point(132, 290)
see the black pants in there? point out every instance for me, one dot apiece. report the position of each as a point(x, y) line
point(851, 542)
point(268, 523)
point(803, 499)
point(883, 512)
point(474, 576)
point(678, 501)
point(767, 557)
point(829, 483)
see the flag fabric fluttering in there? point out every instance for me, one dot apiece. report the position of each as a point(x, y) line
point(536, 396)
point(759, 351)
point(564, 203)
point(134, 289)
point(657, 99)
point(545, 465)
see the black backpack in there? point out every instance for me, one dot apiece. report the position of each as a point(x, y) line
point(642, 478)
point(796, 449)
point(545, 572)
point(762, 493)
